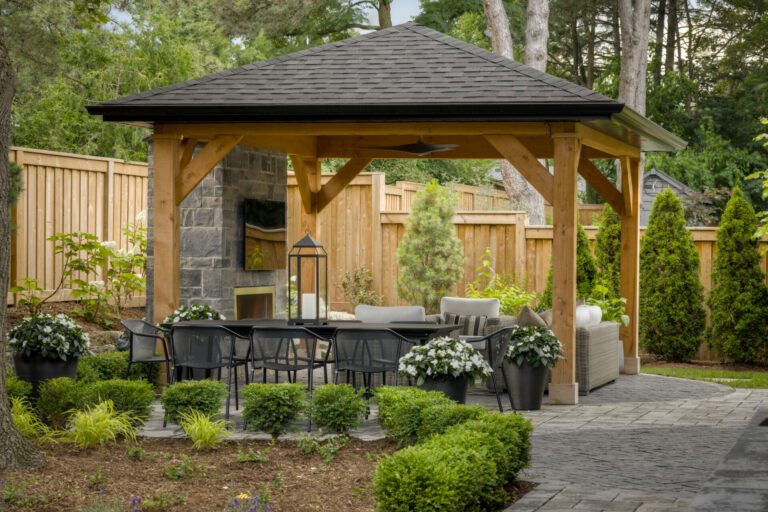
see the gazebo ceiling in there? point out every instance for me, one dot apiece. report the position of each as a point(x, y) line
point(407, 73)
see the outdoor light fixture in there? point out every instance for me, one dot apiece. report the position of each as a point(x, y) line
point(308, 283)
point(420, 148)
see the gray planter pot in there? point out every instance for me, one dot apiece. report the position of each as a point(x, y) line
point(36, 369)
point(526, 385)
point(453, 388)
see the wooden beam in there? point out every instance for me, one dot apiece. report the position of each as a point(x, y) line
point(605, 143)
point(630, 270)
point(627, 188)
point(340, 180)
point(564, 389)
point(187, 151)
point(305, 145)
point(601, 184)
point(194, 172)
point(302, 181)
point(525, 162)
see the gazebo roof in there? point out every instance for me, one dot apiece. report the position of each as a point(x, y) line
point(405, 73)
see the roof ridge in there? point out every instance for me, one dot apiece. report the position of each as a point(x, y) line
point(508, 63)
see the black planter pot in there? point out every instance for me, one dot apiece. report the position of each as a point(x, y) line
point(526, 385)
point(37, 368)
point(454, 388)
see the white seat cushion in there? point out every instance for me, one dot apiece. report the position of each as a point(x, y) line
point(488, 308)
point(389, 314)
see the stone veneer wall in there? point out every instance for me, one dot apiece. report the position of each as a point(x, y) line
point(212, 230)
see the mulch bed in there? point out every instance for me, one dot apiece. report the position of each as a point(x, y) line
point(72, 480)
point(16, 314)
point(651, 361)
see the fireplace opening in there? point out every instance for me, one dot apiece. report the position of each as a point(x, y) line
point(255, 302)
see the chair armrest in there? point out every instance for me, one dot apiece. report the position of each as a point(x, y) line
point(494, 324)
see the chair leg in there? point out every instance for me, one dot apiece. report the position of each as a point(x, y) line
point(149, 372)
point(229, 390)
point(128, 371)
point(335, 377)
point(237, 404)
point(506, 384)
point(168, 373)
point(496, 390)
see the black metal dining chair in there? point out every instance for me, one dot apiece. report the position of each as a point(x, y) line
point(142, 347)
point(287, 349)
point(208, 348)
point(492, 347)
point(368, 351)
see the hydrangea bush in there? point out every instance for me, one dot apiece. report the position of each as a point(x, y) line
point(52, 337)
point(536, 345)
point(443, 357)
point(193, 312)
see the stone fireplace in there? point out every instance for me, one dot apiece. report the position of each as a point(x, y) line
point(212, 237)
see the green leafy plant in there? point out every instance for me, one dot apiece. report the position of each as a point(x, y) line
point(672, 314)
point(613, 309)
point(99, 425)
point(130, 396)
point(490, 285)
point(400, 410)
point(607, 252)
point(205, 396)
point(535, 345)
point(32, 295)
point(444, 357)
point(26, 421)
point(113, 365)
point(57, 399)
point(738, 300)
point(52, 337)
point(95, 480)
point(182, 467)
point(251, 456)
point(205, 432)
point(135, 452)
point(17, 388)
point(193, 312)
point(357, 287)
point(338, 408)
point(273, 408)
point(161, 501)
point(430, 255)
point(326, 450)
point(586, 271)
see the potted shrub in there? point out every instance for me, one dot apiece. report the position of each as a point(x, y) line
point(531, 352)
point(193, 312)
point(46, 347)
point(445, 364)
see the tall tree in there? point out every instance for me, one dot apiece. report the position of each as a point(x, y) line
point(518, 189)
point(537, 34)
point(15, 450)
point(635, 17)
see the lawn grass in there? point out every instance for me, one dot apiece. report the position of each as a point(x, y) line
point(747, 379)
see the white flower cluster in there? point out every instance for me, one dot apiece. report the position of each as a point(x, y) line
point(193, 312)
point(53, 337)
point(536, 345)
point(444, 357)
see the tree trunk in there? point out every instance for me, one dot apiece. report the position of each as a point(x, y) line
point(616, 31)
point(15, 450)
point(385, 13)
point(672, 31)
point(518, 189)
point(635, 25)
point(660, 15)
point(537, 34)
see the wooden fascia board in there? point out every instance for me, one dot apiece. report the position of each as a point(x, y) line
point(601, 184)
point(340, 180)
point(202, 164)
point(525, 162)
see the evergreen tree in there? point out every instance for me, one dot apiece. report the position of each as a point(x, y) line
point(672, 312)
point(738, 300)
point(430, 255)
point(586, 271)
point(607, 251)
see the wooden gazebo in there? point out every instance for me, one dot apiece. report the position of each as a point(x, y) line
point(351, 98)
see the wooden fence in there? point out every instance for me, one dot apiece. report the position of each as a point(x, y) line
point(65, 193)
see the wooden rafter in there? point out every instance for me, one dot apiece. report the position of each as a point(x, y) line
point(605, 143)
point(340, 180)
point(201, 165)
point(525, 162)
point(627, 188)
point(601, 184)
point(302, 181)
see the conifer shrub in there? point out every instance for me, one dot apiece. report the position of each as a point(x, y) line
point(586, 271)
point(58, 399)
point(430, 255)
point(672, 315)
point(738, 300)
point(608, 251)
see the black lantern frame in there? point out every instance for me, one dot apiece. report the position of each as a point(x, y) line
point(307, 252)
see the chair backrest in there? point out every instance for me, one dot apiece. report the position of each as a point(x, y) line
point(283, 345)
point(209, 344)
point(388, 314)
point(469, 307)
point(143, 339)
point(372, 350)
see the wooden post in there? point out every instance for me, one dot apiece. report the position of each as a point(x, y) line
point(311, 166)
point(630, 262)
point(166, 225)
point(564, 389)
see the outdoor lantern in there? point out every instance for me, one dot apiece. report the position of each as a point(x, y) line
point(308, 282)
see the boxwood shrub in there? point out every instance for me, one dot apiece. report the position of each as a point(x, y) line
point(437, 418)
point(58, 398)
point(17, 388)
point(273, 408)
point(113, 365)
point(400, 410)
point(338, 407)
point(130, 396)
point(206, 396)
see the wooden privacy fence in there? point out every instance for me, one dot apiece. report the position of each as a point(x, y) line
point(66, 193)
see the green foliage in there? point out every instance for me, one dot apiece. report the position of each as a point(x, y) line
point(672, 312)
point(113, 365)
point(490, 285)
point(762, 230)
point(129, 396)
point(400, 410)
point(25, 419)
point(58, 398)
point(183, 467)
point(251, 456)
point(193, 312)
point(443, 357)
point(99, 425)
point(437, 418)
point(738, 300)
point(608, 251)
point(338, 407)
point(52, 337)
point(15, 183)
point(533, 345)
point(17, 388)
point(326, 450)
point(586, 271)
point(273, 408)
point(205, 432)
point(430, 255)
point(32, 295)
point(613, 309)
point(357, 287)
point(205, 396)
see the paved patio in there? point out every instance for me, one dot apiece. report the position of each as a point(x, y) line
point(644, 443)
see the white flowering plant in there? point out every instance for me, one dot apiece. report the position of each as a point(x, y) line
point(536, 345)
point(443, 357)
point(193, 312)
point(52, 337)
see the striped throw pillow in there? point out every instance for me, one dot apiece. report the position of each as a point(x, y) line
point(471, 325)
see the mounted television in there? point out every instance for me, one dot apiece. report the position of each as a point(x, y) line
point(264, 234)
